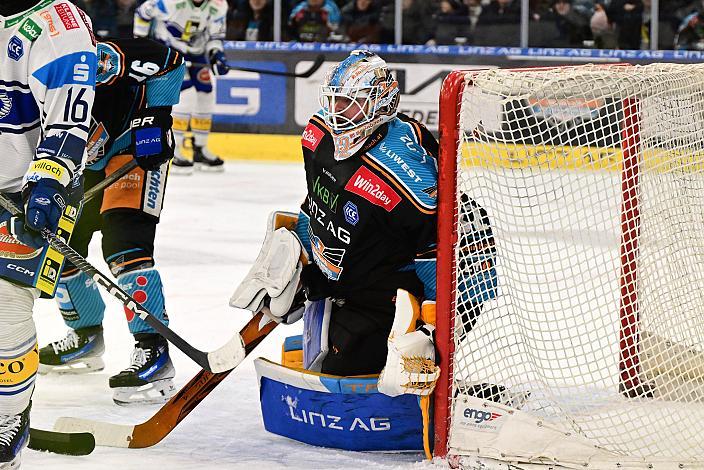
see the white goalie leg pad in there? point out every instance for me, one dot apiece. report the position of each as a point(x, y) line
point(410, 361)
point(273, 280)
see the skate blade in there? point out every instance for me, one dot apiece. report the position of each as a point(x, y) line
point(80, 366)
point(152, 393)
point(209, 169)
point(181, 170)
point(14, 464)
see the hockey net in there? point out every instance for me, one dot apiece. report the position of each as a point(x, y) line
point(571, 262)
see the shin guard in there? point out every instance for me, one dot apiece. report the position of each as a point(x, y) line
point(19, 358)
point(146, 288)
point(79, 301)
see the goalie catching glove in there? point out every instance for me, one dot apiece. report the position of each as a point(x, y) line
point(274, 279)
point(410, 361)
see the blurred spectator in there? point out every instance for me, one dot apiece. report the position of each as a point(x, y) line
point(418, 27)
point(690, 34)
point(253, 21)
point(602, 30)
point(124, 16)
point(572, 23)
point(500, 12)
point(475, 9)
point(102, 15)
point(498, 24)
point(452, 23)
point(627, 15)
point(360, 21)
point(682, 9)
point(314, 20)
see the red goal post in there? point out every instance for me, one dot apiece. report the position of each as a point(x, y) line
point(651, 364)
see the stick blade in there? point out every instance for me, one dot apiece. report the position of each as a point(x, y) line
point(73, 443)
point(228, 356)
point(105, 434)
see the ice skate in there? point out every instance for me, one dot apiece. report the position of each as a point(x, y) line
point(181, 165)
point(14, 436)
point(205, 160)
point(148, 380)
point(79, 352)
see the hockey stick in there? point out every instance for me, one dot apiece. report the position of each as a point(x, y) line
point(159, 426)
point(220, 360)
point(66, 443)
point(311, 70)
point(119, 173)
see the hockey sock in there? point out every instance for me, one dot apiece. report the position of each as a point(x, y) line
point(79, 301)
point(146, 287)
point(200, 125)
point(179, 127)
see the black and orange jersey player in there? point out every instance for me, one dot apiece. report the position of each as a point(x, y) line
point(138, 81)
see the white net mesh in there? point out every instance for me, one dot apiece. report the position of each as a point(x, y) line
point(580, 262)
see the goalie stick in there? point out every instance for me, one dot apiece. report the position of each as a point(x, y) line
point(220, 360)
point(319, 59)
point(159, 426)
point(66, 443)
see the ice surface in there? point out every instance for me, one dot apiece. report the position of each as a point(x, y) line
point(211, 230)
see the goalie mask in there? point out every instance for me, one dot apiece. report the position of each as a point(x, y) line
point(357, 96)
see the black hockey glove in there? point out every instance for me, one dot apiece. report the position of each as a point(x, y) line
point(315, 284)
point(152, 138)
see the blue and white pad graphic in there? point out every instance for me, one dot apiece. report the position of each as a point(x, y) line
point(338, 412)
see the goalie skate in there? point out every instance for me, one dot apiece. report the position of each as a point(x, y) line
point(148, 380)
point(79, 352)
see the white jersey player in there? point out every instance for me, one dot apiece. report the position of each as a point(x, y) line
point(195, 28)
point(47, 84)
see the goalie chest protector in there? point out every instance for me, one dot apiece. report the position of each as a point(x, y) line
point(337, 412)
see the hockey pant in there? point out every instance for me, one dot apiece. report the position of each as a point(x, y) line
point(127, 214)
point(358, 332)
point(195, 107)
point(19, 358)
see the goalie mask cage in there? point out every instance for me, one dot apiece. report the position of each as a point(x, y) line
point(571, 267)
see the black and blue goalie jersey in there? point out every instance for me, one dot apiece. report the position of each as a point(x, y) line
point(369, 221)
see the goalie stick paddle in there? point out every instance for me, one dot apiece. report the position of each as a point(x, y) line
point(66, 443)
point(173, 412)
point(319, 60)
point(220, 360)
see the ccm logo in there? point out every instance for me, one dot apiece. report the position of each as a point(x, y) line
point(20, 269)
point(145, 121)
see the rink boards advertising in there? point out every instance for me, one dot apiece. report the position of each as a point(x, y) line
point(259, 116)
